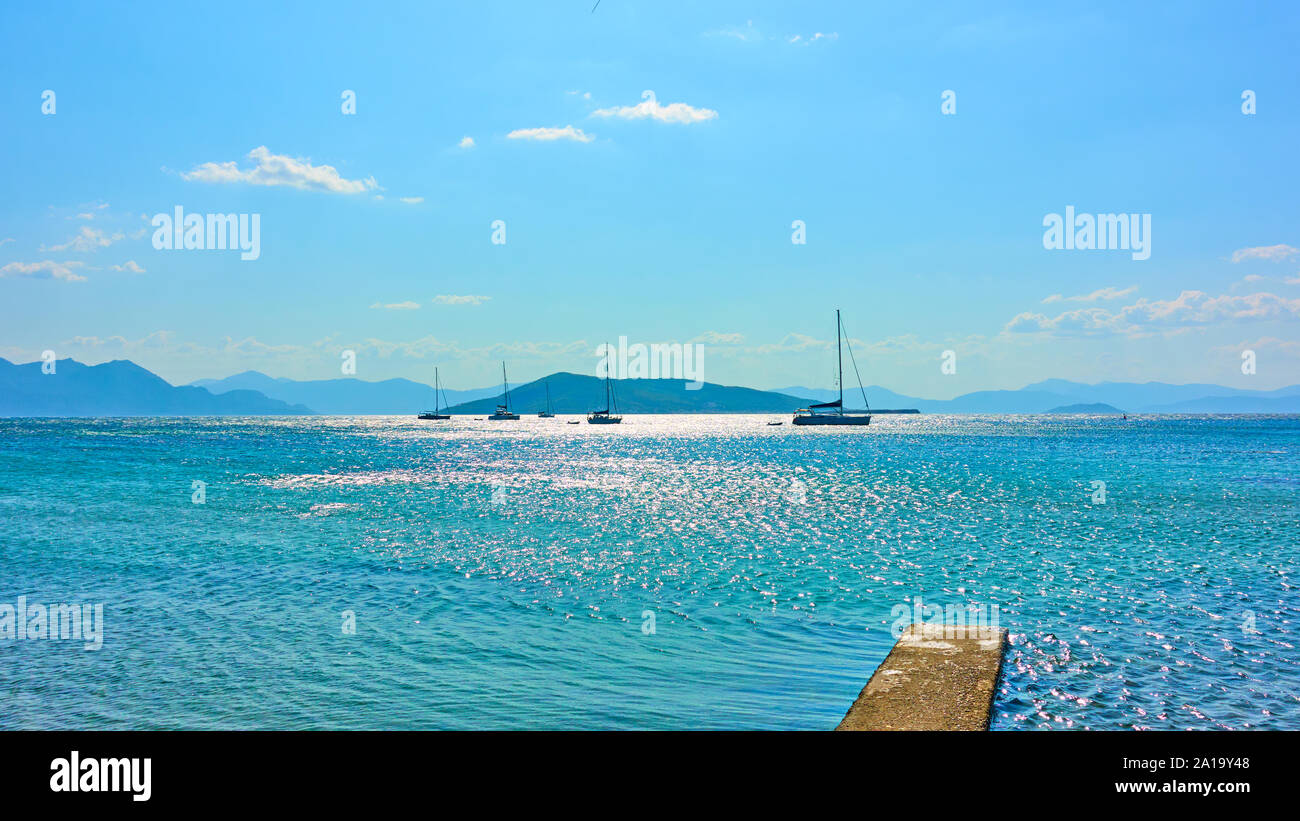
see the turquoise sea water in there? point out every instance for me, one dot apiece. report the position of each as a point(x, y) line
point(505, 574)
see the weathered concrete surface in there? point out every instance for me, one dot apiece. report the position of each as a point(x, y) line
point(935, 678)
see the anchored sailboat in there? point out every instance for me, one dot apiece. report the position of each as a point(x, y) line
point(434, 413)
point(833, 413)
point(603, 417)
point(547, 414)
point(503, 409)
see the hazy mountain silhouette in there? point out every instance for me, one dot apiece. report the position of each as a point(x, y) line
point(575, 393)
point(118, 388)
point(122, 388)
point(1045, 396)
point(1088, 407)
point(345, 396)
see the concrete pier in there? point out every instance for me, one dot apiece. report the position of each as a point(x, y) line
point(935, 678)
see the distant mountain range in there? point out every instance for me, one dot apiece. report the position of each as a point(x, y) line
point(122, 388)
point(575, 393)
point(119, 388)
point(346, 397)
point(1091, 408)
point(1050, 394)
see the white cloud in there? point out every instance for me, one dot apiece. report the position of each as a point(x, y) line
point(87, 239)
point(650, 108)
point(412, 200)
point(6, 239)
point(792, 343)
point(1269, 253)
point(460, 299)
point(279, 169)
point(156, 340)
point(47, 269)
point(90, 215)
point(466, 142)
point(799, 39)
point(547, 134)
point(397, 306)
point(1147, 316)
point(715, 338)
point(1196, 307)
point(1272, 343)
point(129, 265)
point(746, 33)
point(1101, 294)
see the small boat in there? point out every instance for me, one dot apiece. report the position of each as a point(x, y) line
point(833, 413)
point(503, 409)
point(604, 417)
point(433, 414)
point(547, 414)
point(575, 422)
point(770, 424)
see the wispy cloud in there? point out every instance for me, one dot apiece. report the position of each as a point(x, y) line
point(1268, 253)
point(279, 169)
point(412, 200)
point(817, 37)
point(1263, 343)
point(549, 134)
point(715, 338)
point(46, 269)
point(130, 265)
point(466, 142)
point(1190, 309)
point(154, 341)
point(460, 299)
point(397, 306)
point(6, 239)
point(1100, 294)
point(746, 33)
point(749, 33)
point(87, 239)
point(90, 215)
point(651, 109)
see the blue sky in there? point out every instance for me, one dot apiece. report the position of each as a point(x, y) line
point(663, 221)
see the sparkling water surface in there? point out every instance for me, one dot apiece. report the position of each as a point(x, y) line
point(674, 572)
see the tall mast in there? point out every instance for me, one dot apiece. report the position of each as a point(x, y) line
point(435, 391)
point(505, 387)
point(607, 377)
point(839, 357)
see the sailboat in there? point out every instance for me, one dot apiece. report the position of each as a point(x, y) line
point(833, 413)
point(434, 413)
point(547, 414)
point(503, 409)
point(603, 417)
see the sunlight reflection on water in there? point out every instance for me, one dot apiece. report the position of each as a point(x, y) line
point(502, 572)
